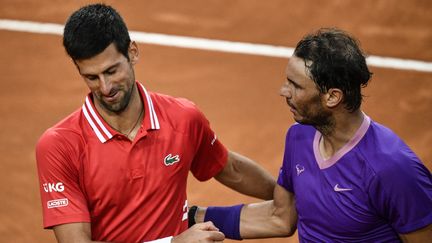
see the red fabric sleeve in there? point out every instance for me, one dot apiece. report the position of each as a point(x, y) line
point(57, 156)
point(211, 156)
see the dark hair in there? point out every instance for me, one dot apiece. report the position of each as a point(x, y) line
point(91, 29)
point(335, 60)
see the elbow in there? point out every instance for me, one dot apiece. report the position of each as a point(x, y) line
point(292, 229)
point(290, 226)
point(289, 230)
point(285, 221)
point(285, 228)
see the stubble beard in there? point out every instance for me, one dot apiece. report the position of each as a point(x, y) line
point(121, 105)
point(325, 124)
point(321, 119)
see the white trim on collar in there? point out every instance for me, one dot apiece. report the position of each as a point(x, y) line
point(99, 128)
point(154, 121)
point(96, 118)
point(90, 121)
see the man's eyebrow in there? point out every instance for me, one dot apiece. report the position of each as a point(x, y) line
point(104, 71)
point(293, 82)
point(290, 80)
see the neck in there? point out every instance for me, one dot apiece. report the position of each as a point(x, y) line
point(343, 127)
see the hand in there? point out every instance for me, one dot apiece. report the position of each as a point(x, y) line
point(200, 233)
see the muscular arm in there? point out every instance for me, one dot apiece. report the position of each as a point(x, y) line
point(421, 235)
point(275, 218)
point(245, 176)
point(81, 233)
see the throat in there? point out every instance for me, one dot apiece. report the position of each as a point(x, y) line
point(325, 130)
point(337, 135)
point(131, 131)
point(326, 151)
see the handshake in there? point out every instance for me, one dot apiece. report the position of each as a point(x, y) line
point(202, 228)
point(199, 232)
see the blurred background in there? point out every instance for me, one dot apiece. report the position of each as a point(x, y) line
point(237, 92)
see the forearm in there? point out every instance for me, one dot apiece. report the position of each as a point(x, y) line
point(275, 218)
point(242, 174)
point(258, 220)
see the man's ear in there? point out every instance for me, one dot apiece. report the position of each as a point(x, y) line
point(133, 52)
point(333, 97)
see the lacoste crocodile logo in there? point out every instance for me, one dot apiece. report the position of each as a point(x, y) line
point(170, 159)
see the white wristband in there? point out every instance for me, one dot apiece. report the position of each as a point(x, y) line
point(163, 240)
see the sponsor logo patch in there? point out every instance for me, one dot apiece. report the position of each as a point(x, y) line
point(58, 203)
point(300, 169)
point(53, 187)
point(336, 188)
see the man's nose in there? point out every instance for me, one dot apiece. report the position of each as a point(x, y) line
point(285, 92)
point(105, 85)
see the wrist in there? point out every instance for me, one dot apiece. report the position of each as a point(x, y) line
point(200, 214)
point(191, 215)
point(226, 219)
point(196, 215)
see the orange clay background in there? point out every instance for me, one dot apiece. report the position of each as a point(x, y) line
point(238, 93)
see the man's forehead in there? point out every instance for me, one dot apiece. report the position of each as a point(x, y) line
point(101, 62)
point(295, 64)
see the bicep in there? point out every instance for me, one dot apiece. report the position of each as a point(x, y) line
point(240, 169)
point(421, 235)
point(229, 174)
point(73, 232)
point(241, 174)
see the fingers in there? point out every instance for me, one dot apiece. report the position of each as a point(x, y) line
point(216, 236)
point(208, 226)
point(202, 232)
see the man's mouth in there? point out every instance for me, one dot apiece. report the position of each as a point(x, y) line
point(112, 96)
point(290, 105)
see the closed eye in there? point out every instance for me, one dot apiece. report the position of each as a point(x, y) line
point(111, 71)
point(294, 84)
point(91, 77)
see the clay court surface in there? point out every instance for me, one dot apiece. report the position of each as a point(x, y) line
point(237, 92)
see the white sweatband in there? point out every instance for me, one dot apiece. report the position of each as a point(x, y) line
point(163, 240)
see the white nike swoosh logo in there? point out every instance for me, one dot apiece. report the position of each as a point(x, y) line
point(338, 189)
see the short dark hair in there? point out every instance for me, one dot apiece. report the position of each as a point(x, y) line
point(335, 60)
point(91, 29)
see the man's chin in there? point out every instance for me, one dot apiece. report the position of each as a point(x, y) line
point(303, 121)
point(297, 119)
point(115, 107)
